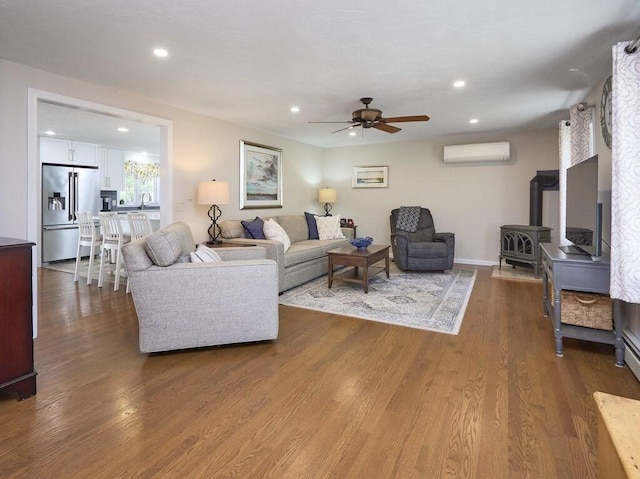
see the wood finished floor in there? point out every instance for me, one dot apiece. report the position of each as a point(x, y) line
point(333, 397)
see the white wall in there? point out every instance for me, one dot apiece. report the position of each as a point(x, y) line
point(203, 148)
point(471, 200)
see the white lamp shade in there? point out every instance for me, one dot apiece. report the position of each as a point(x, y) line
point(327, 195)
point(213, 193)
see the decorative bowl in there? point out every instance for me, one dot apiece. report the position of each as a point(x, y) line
point(362, 243)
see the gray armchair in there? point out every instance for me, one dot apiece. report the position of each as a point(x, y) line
point(417, 246)
point(182, 304)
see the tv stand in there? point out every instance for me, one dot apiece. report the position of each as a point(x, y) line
point(578, 273)
point(570, 249)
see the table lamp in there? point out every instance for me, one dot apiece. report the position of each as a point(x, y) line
point(327, 196)
point(213, 193)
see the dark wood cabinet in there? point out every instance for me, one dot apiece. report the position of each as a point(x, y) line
point(17, 373)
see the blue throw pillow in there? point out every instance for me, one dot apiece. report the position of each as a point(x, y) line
point(311, 224)
point(253, 228)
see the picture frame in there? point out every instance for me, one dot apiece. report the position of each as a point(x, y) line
point(370, 177)
point(260, 176)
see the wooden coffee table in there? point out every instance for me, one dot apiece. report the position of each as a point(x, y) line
point(365, 259)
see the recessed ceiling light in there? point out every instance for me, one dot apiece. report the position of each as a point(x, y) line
point(295, 109)
point(473, 121)
point(352, 133)
point(122, 129)
point(161, 52)
point(459, 83)
point(50, 132)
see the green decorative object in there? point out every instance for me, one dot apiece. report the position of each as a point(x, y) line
point(141, 171)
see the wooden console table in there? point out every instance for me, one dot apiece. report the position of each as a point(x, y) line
point(17, 374)
point(578, 273)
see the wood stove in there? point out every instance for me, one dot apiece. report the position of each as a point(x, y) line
point(520, 245)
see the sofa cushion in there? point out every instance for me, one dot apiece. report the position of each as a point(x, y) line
point(311, 225)
point(166, 246)
point(303, 251)
point(329, 227)
point(204, 254)
point(273, 231)
point(230, 229)
point(253, 228)
point(295, 226)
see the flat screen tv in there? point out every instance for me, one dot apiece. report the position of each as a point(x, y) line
point(583, 212)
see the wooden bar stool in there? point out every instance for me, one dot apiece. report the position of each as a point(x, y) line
point(112, 241)
point(87, 236)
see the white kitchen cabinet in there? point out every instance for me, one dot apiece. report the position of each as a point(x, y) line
point(67, 152)
point(111, 169)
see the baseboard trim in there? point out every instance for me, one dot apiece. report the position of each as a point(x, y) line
point(631, 356)
point(477, 262)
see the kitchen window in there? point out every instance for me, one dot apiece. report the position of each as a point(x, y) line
point(141, 177)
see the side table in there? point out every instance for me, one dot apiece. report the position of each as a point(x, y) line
point(230, 244)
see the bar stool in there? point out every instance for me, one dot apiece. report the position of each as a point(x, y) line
point(139, 225)
point(87, 236)
point(112, 241)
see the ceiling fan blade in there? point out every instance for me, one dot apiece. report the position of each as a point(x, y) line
point(347, 128)
point(387, 128)
point(399, 119)
point(350, 121)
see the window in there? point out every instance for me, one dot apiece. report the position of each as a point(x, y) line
point(141, 176)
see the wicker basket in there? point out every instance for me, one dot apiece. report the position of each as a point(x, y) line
point(591, 310)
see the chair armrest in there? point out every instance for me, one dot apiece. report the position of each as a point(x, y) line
point(443, 236)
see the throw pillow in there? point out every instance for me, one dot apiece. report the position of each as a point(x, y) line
point(164, 247)
point(253, 228)
point(311, 224)
point(273, 231)
point(329, 227)
point(204, 254)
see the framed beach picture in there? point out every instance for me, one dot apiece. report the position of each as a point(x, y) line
point(260, 176)
point(370, 177)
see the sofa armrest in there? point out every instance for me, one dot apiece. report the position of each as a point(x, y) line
point(242, 253)
point(189, 305)
point(348, 232)
point(274, 250)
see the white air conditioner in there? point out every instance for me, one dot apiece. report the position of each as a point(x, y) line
point(478, 153)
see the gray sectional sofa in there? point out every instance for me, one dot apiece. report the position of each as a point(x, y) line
point(305, 260)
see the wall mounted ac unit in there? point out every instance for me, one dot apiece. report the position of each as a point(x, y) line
point(478, 153)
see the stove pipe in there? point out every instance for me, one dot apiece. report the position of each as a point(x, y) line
point(544, 180)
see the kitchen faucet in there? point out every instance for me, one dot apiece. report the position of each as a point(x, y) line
point(142, 199)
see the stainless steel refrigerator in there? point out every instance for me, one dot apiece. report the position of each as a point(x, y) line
point(65, 190)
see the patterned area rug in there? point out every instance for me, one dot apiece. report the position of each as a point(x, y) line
point(424, 300)
point(70, 267)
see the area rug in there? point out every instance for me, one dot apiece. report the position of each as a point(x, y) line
point(70, 267)
point(518, 274)
point(421, 300)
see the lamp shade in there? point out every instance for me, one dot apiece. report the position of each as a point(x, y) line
point(213, 192)
point(327, 195)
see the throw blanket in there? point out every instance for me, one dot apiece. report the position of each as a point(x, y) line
point(408, 218)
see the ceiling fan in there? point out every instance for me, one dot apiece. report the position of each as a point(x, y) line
point(372, 118)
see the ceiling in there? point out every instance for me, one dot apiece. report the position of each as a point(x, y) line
point(248, 61)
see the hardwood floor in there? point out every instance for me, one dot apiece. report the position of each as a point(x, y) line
point(333, 397)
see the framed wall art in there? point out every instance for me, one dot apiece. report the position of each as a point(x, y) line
point(370, 177)
point(260, 176)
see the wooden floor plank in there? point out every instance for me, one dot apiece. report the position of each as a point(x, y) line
point(332, 397)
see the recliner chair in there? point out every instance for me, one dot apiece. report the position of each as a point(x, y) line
point(422, 249)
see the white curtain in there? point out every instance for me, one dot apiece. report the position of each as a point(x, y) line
point(565, 162)
point(625, 188)
point(576, 145)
